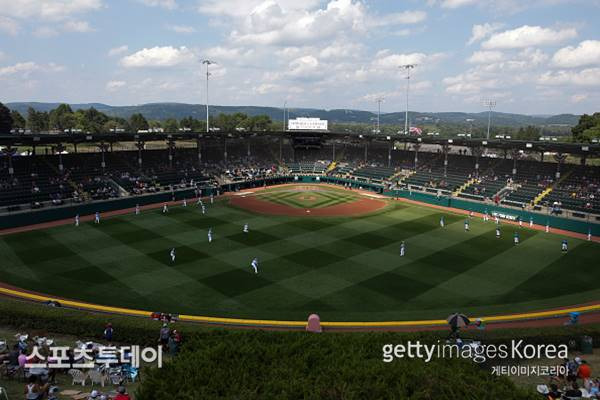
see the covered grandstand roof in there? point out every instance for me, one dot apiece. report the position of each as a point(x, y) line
point(592, 150)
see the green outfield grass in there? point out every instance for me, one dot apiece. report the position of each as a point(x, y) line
point(341, 268)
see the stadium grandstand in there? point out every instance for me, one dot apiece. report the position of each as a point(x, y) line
point(49, 171)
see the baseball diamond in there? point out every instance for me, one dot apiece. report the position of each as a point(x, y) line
point(345, 267)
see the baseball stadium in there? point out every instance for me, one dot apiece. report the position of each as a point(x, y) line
point(299, 200)
point(295, 231)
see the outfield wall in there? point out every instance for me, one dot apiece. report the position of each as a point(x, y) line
point(538, 219)
point(32, 217)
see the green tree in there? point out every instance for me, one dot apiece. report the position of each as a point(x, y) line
point(94, 120)
point(138, 122)
point(18, 120)
point(37, 121)
point(171, 125)
point(6, 121)
point(61, 118)
point(528, 133)
point(110, 126)
point(193, 124)
point(154, 124)
point(261, 122)
point(586, 122)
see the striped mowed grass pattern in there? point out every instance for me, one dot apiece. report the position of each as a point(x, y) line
point(341, 268)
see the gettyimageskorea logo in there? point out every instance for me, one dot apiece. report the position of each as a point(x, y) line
point(475, 351)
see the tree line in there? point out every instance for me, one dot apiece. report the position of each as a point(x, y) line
point(64, 119)
point(588, 128)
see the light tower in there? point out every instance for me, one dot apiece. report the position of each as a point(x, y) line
point(379, 100)
point(207, 62)
point(490, 104)
point(407, 67)
point(284, 111)
point(470, 121)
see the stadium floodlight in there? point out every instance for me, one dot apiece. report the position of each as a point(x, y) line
point(207, 63)
point(379, 100)
point(470, 121)
point(490, 104)
point(407, 67)
point(284, 110)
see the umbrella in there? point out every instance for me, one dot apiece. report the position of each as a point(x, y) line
point(457, 320)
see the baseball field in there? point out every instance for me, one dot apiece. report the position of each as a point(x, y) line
point(319, 249)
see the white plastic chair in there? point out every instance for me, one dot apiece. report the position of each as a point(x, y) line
point(3, 394)
point(78, 377)
point(97, 377)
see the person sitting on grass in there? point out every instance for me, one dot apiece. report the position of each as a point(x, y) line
point(164, 335)
point(34, 390)
point(554, 393)
point(584, 372)
point(594, 388)
point(573, 392)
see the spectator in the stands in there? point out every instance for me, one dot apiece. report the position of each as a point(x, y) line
point(35, 390)
point(554, 393)
point(122, 394)
point(164, 335)
point(108, 332)
point(22, 359)
point(574, 391)
point(584, 372)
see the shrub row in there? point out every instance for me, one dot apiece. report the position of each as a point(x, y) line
point(248, 364)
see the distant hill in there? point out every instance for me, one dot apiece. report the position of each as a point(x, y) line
point(162, 111)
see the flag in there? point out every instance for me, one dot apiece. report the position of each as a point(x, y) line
point(415, 130)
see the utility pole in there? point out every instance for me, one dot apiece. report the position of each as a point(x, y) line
point(284, 109)
point(470, 121)
point(379, 100)
point(207, 62)
point(490, 104)
point(407, 67)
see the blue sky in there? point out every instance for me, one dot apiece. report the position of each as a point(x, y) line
point(534, 57)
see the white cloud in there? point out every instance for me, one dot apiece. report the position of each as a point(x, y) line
point(266, 88)
point(485, 57)
point(25, 68)
point(586, 77)
point(586, 53)
point(167, 4)
point(457, 3)
point(470, 82)
point(578, 98)
point(416, 87)
point(304, 67)
point(340, 50)
point(231, 54)
point(115, 51)
point(270, 24)
point(400, 18)
point(480, 32)
point(528, 36)
point(242, 8)
point(386, 61)
point(166, 56)
point(9, 25)
point(53, 67)
point(181, 29)
point(55, 10)
point(45, 32)
point(77, 26)
point(292, 23)
point(112, 86)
